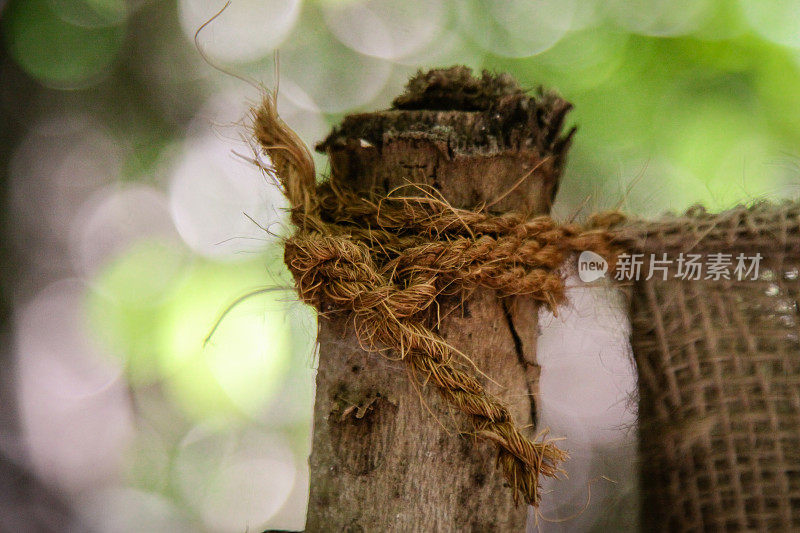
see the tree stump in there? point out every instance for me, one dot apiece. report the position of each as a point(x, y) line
point(388, 452)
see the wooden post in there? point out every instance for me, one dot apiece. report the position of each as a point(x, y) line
point(387, 453)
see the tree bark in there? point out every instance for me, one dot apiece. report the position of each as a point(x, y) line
point(388, 452)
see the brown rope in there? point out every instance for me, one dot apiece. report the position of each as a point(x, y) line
point(386, 261)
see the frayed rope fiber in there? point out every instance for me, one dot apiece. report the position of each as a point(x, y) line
point(385, 261)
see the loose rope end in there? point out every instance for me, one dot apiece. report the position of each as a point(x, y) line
point(387, 260)
point(291, 159)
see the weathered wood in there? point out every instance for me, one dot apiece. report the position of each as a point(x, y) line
point(388, 454)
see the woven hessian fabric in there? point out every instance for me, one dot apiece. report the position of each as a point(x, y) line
point(719, 375)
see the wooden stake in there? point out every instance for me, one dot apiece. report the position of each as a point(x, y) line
point(388, 454)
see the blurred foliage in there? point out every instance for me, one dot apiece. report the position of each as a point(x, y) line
point(56, 51)
point(676, 103)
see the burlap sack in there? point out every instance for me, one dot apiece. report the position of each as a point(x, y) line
point(719, 373)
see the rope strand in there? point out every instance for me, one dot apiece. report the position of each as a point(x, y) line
point(386, 261)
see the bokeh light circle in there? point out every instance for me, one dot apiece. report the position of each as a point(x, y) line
point(777, 21)
point(113, 220)
point(218, 201)
point(246, 31)
point(240, 368)
point(319, 73)
point(517, 28)
point(449, 48)
point(119, 509)
point(92, 13)
point(386, 28)
point(660, 18)
point(154, 311)
point(236, 482)
point(60, 163)
point(56, 52)
point(128, 292)
point(74, 409)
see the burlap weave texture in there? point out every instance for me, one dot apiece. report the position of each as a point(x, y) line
point(719, 374)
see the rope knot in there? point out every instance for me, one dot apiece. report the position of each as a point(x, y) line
point(386, 260)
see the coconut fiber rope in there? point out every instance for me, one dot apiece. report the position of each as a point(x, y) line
point(385, 261)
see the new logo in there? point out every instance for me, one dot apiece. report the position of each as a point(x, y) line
point(591, 266)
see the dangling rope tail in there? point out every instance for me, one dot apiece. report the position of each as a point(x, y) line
point(386, 260)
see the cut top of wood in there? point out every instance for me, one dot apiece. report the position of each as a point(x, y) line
point(489, 114)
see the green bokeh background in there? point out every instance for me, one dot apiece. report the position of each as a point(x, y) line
point(676, 103)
